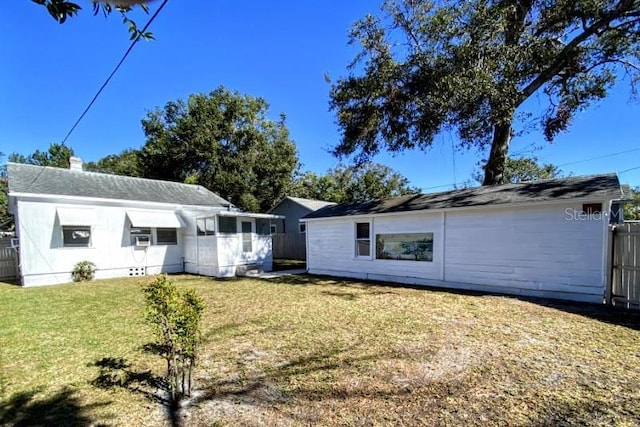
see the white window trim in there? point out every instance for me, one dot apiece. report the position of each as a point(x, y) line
point(302, 225)
point(89, 244)
point(355, 240)
point(273, 229)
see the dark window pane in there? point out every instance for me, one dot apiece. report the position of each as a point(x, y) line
point(592, 208)
point(167, 236)
point(200, 227)
point(227, 224)
point(362, 230)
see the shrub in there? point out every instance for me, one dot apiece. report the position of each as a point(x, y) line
point(174, 316)
point(83, 271)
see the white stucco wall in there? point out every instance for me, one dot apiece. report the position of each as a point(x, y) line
point(544, 251)
point(44, 260)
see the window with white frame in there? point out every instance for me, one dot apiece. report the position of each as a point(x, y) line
point(274, 228)
point(206, 226)
point(363, 239)
point(76, 236)
point(140, 236)
point(302, 227)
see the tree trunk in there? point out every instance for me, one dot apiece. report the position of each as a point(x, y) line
point(494, 169)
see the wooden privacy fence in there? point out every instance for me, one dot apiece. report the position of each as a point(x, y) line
point(8, 261)
point(625, 268)
point(289, 246)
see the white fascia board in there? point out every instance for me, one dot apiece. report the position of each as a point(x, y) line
point(55, 198)
point(250, 215)
point(470, 208)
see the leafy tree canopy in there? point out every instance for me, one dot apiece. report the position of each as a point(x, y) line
point(632, 207)
point(427, 67)
point(353, 184)
point(224, 141)
point(57, 156)
point(126, 163)
point(60, 10)
point(525, 169)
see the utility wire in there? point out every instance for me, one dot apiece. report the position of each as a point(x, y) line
point(564, 164)
point(106, 82)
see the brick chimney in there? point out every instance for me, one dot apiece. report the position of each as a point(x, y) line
point(75, 163)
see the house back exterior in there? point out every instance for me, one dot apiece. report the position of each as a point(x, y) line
point(128, 226)
point(544, 239)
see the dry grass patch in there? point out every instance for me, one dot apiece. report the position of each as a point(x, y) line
point(311, 350)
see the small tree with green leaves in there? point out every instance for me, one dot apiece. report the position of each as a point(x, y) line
point(175, 318)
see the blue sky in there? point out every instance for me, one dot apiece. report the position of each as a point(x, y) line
point(279, 51)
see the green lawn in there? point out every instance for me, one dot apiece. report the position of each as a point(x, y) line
point(317, 351)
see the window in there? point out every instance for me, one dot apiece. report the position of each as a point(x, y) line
point(140, 236)
point(302, 227)
point(363, 239)
point(227, 224)
point(246, 236)
point(206, 226)
point(263, 227)
point(405, 246)
point(592, 208)
point(167, 236)
point(274, 228)
point(76, 236)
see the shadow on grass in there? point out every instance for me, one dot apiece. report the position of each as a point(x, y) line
point(264, 387)
point(61, 409)
point(116, 372)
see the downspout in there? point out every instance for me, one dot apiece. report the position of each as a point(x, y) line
point(444, 244)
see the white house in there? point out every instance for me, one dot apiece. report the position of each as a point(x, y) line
point(128, 226)
point(546, 238)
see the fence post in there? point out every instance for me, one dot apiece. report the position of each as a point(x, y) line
point(611, 247)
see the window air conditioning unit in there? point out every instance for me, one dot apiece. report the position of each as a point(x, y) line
point(15, 242)
point(143, 240)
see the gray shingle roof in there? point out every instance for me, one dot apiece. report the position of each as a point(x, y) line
point(65, 182)
point(589, 187)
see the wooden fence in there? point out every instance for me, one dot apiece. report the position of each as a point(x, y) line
point(8, 261)
point(625, 274)
point(289, 246)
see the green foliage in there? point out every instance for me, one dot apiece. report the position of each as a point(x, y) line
point(429, 67)
point(127, 163)
point(632, 207)
point(56, 156)
point(84, 271)
point(353, 183)
point(175, 317)
point(225, 142)
point(525, 169)
point(60, 10)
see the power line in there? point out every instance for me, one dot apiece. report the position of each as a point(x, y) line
point(564, 164)
point(106, 82)
point(599, 157)
point(628, 170)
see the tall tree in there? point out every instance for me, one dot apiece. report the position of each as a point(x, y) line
point(470, 66)
point(225, 142)
point(353, 184)
point(57, 155)
point(525, 169)
point(126, 163)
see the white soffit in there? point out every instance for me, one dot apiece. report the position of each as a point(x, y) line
point(76, 216)
point(155, 219)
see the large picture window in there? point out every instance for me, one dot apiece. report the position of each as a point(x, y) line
point(76, 236)
point(167, 236)
point(405, 246)
point(363, 239)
